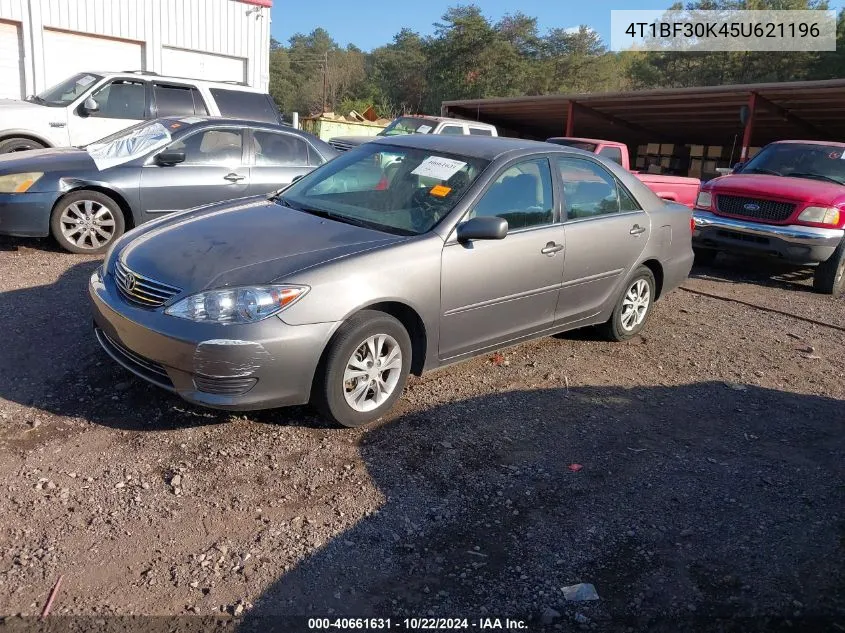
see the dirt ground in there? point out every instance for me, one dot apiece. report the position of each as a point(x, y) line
point(711, 494)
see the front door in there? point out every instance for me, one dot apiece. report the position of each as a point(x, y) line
point(495, 291)
point(121, 104)
point(214, 170)
point(606, 231)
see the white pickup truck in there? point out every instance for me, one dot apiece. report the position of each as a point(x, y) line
point(418, 124)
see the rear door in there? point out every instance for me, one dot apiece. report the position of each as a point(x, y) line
point(215, 169)
point(278, 159)
point(606, 231)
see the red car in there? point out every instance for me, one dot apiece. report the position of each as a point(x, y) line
point(786, 202)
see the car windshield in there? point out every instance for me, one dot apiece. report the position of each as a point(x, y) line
point(394, 189)
point(130, 143)
point(408, 125)
point(588, 147)
point(66, 92)
point(800, 160)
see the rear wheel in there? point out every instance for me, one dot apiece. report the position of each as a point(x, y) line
point(705, 256)
point(633, 308)
point(86, 222)
point(19, 144)
point(829, 277)
point(364, 369)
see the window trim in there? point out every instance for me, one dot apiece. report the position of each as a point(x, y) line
point(175, 84)
point(556, 197)
point(563, 215)
point(148, 113)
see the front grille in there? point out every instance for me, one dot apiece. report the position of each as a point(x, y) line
point(341, 146)
point(224, 386)
point(770, 210)
point(142, 290)
point(144, 367)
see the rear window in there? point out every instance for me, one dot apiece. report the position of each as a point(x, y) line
point(480, 131)
point(245, 105)
point(178, 100)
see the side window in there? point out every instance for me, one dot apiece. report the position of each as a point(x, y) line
point(612, 153)
point(480, 131)
point(314, 157)
point(452, 129)
point(240, 104)
point(279, 149)
point(121, 99)
point(212, 147)
point(589, 190)
point(522, 195)
point(178, 100)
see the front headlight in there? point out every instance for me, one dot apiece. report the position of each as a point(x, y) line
point(19, 183)
point(705, 199)
point(237, 305)
point(820, 215)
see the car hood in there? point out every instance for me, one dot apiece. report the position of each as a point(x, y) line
point(65, 160)
point(802, 190)
point(15, 113)
point(245, 242)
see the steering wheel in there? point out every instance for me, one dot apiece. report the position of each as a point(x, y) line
point(424, 209)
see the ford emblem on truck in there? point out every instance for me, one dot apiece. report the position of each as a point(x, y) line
point(751, 207)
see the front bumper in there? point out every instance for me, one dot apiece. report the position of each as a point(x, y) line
point(26, 214)
point(238, 367)
point(794, 243)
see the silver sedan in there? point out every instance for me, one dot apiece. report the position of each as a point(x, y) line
point(400, 256)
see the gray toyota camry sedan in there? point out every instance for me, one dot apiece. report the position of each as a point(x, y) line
point(400, 256)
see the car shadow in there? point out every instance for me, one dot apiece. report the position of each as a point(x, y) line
point(692, 504)
point(738, 269)
point(51, 360)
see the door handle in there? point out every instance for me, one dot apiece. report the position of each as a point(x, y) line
point(637, 229)
point(233, 177)
point(551, 248)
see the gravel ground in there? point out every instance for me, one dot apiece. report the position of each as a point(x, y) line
point(711, 493)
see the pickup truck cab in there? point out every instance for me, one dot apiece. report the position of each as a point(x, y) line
point(89, 106)
point(675, 188)
point(786, 202)
point(418, 124)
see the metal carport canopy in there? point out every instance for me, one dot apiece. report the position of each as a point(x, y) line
point(707, 115)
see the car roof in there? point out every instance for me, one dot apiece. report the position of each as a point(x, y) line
point(208, 121)
point(828, 143)
point(580, 139)
point(146, 74)
point(444, 119)
point(484, 147)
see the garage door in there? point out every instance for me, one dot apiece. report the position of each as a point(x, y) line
point(66, 53)
point(11, 61)
point(177, 62)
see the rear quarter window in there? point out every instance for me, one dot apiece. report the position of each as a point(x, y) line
point(245, 105)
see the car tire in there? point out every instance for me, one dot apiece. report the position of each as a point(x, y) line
point(633, 306)
point(96, 210)
point(19, 144)
point(829, 277)
point(348, 385)
point(705, 256)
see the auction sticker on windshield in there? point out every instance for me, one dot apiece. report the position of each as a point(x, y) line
point(439, 168)
point(424, 129)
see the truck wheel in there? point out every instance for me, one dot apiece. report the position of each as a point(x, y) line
point(364, 369)
point(86, 222)
point(19, 144)
point(704, 256)
point(829, 278)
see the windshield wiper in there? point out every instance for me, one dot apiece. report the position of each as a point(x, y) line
point(802, 174)
point(762, 170)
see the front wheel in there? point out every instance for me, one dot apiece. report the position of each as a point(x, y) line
point(829, 277)
point(364, 369)
point(19, 144)
point(86, 222)
point(633, 307)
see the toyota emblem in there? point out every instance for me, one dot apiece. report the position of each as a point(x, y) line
point(751, 207)
point(130, 282)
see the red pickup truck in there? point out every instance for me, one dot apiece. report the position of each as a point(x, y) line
point(675, 188)
point(786, 202)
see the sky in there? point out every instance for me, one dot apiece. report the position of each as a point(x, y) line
point(369, 25)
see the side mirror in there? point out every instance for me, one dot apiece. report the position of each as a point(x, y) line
point(482, 228)
point(89, 105)
point(738, 167)
point(170, 157)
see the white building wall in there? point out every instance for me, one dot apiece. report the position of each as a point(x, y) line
point(229, 29)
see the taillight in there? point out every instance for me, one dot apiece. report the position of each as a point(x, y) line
point(692, 224)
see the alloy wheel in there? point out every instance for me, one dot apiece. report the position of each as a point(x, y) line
point(372, 372)
point(87, 224)
point(635, 304)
